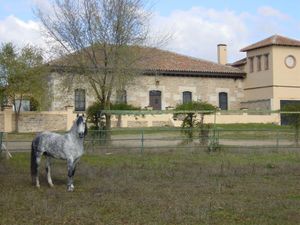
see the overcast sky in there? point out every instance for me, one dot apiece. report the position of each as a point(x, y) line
point(197, 26)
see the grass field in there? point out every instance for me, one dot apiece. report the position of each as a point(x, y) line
point(246, 187)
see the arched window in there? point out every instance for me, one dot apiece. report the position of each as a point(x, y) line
point(223, 100)
point(121, 96)
point(155, 99)
point(79, 100)
point(186, 97)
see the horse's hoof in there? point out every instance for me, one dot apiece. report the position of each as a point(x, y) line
point(38, 186)
point(51, 185)
point(71, 187)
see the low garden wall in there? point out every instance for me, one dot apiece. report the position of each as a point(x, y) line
point(220, 118)
point(37, 121)
point(63, 120)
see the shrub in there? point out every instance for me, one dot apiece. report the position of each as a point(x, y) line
point(293, 119)
point(94, 112)
point(190, 119)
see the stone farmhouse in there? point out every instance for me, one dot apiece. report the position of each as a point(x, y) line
point(267, 79)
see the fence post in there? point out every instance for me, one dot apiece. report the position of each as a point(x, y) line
point(277, 139)
point(142, 147)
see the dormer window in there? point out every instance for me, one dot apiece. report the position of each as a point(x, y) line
point(121, 96)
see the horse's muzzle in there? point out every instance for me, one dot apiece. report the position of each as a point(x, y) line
point(81, 135)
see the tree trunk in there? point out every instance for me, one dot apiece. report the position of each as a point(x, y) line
point(17, 113)
point(17, 116)
point(108, 128)
point(119, 121)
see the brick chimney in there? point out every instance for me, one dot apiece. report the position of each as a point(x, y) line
point(222, 54)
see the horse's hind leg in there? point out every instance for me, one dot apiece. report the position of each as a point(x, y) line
point(36, 156)
point(38, 162)
point(48, 171)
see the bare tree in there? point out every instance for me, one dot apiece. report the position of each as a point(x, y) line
point(101, 39)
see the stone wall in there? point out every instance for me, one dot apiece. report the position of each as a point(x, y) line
point(64, 94)
point(264, 104)
point(171, 87)
point(221, 118)
point(37, 122)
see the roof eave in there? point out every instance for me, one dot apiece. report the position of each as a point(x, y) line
point(249, 48)
point(235, 75)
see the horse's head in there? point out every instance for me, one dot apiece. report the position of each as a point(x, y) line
point(81, 126)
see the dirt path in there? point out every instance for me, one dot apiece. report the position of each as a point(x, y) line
point(153, 140)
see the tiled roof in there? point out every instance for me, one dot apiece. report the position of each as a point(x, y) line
point(156, 59)
point(273, 40)
point(240, 62)
point(170, 63)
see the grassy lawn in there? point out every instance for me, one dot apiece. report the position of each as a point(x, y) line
point(157, 188)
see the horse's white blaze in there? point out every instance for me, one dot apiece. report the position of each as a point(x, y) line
point(81, 128)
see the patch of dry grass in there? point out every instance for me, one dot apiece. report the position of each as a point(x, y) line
point(157, 188)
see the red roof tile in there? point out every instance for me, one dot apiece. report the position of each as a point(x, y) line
point(240, 62)
point(153, 59)
point(157, 59)
point(273, 40)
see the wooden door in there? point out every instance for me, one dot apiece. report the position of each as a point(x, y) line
point(155, 99)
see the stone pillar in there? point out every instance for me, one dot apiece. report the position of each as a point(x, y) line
point(70, 116)
point(245, 112)
point(8, 115)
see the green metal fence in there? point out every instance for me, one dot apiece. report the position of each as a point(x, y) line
point(215, 139)
point(171, 138)
point(212, 139)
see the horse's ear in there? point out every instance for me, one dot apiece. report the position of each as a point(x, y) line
point(77, 114)
point(83, 115)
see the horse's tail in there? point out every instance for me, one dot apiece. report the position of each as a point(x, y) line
point(34, 165)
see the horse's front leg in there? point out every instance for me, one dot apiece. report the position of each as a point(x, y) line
point(48, 171)
point(71, 171)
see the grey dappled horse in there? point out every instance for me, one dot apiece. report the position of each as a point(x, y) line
point(68, 146)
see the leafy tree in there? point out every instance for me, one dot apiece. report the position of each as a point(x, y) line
point(22, 75)
point(190, 120)
point(2, 98)
point(293, 119)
